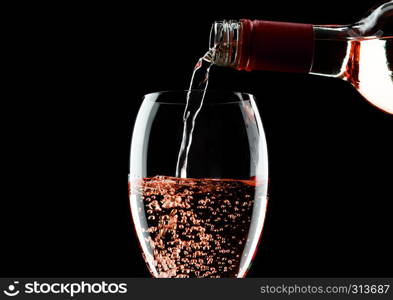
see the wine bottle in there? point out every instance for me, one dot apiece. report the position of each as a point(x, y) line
point(361, 53)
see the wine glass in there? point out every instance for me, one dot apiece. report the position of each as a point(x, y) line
point(207, 225)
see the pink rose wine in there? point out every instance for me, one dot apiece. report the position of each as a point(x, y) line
point(195, 227)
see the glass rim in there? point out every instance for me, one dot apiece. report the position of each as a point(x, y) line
point(237, 97)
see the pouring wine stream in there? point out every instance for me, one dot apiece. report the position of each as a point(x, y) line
point(200, 81)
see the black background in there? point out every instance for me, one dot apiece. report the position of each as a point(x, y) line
point(76, 81)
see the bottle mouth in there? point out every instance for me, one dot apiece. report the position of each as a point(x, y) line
point(224, 42)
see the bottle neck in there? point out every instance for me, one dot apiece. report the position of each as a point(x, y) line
point(279, 46)
point(224, 43)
